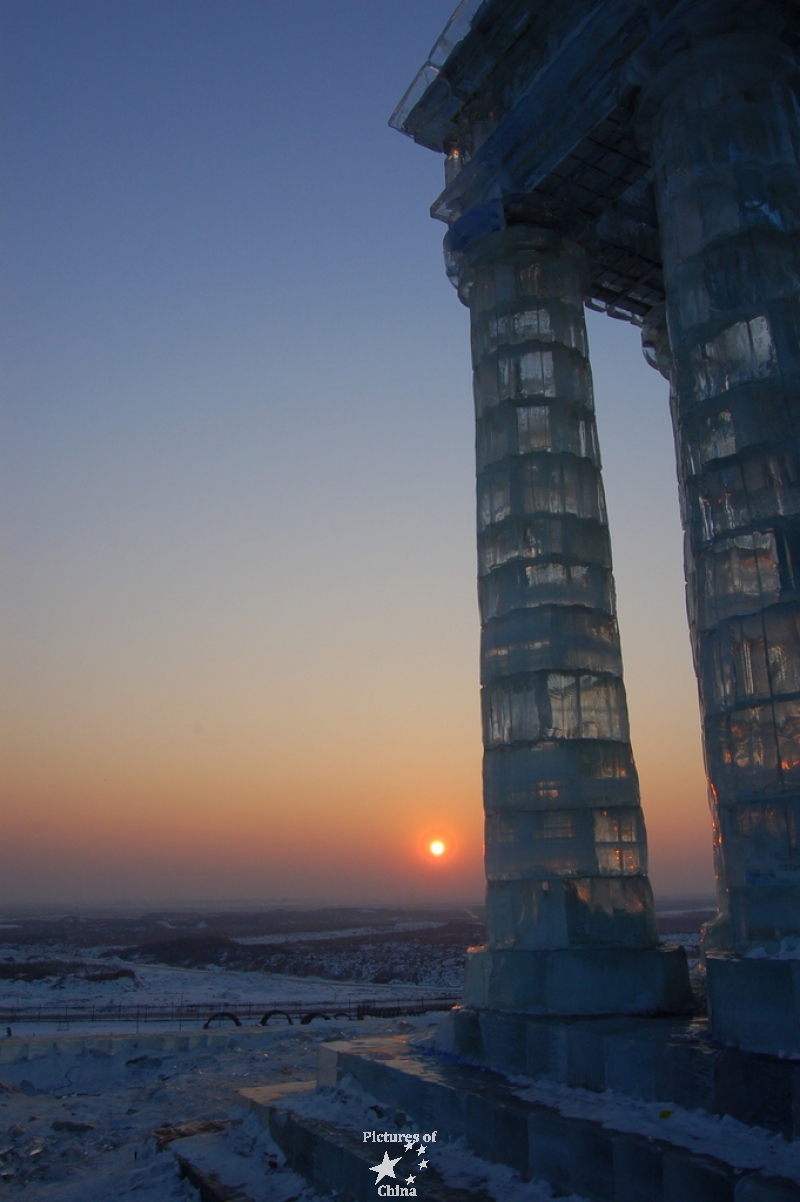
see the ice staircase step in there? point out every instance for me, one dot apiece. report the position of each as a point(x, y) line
point(192, 1156)
point(223, 1172)
point(334, 1159)
point(595, 1145)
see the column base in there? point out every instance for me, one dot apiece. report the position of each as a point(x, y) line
point(754, 1004)
point(579, 981)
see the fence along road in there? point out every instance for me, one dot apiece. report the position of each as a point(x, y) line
point(240, 1013)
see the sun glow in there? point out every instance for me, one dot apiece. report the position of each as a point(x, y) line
point(437, 847)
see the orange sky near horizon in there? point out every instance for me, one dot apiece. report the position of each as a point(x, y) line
point(122, 790)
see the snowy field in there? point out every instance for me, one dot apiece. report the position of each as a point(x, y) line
point(76, 1118)
point(172, 972)
point(157, 987)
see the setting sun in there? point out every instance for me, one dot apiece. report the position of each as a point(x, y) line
point(437, 847)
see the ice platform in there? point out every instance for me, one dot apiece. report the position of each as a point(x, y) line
point(670, 1059)
point(755, 1003)
point(598, 980)
point(600, 1145)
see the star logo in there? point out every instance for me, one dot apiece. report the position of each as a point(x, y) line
point(409, 1180)
point(385, 1168)
point(423, 1164)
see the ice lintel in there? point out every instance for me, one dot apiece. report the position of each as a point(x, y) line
point(454, 33)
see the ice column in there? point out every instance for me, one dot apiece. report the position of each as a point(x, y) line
point(723, 127)
point(570, 923)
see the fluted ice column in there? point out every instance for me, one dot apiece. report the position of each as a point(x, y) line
point(570, 922)
point(722, 120)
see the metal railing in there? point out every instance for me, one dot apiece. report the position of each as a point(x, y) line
point(192, 1013)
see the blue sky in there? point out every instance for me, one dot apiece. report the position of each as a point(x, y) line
point(238, 501)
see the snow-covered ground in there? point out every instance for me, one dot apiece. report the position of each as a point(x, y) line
point(106, 1098)
point(162, 986)
point(77, 1118)
point(228, 961)
point(312, 937)
point(174, 972)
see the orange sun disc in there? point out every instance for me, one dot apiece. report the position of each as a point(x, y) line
point(437, 847)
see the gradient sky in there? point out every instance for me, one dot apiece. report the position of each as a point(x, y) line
point(239, 623)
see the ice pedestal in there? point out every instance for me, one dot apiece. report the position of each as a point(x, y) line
point(725, 142)
point(755, 1003)
point(575, 981)
point(570, 922)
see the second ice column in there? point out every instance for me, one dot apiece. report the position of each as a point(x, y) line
point(566, 856)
